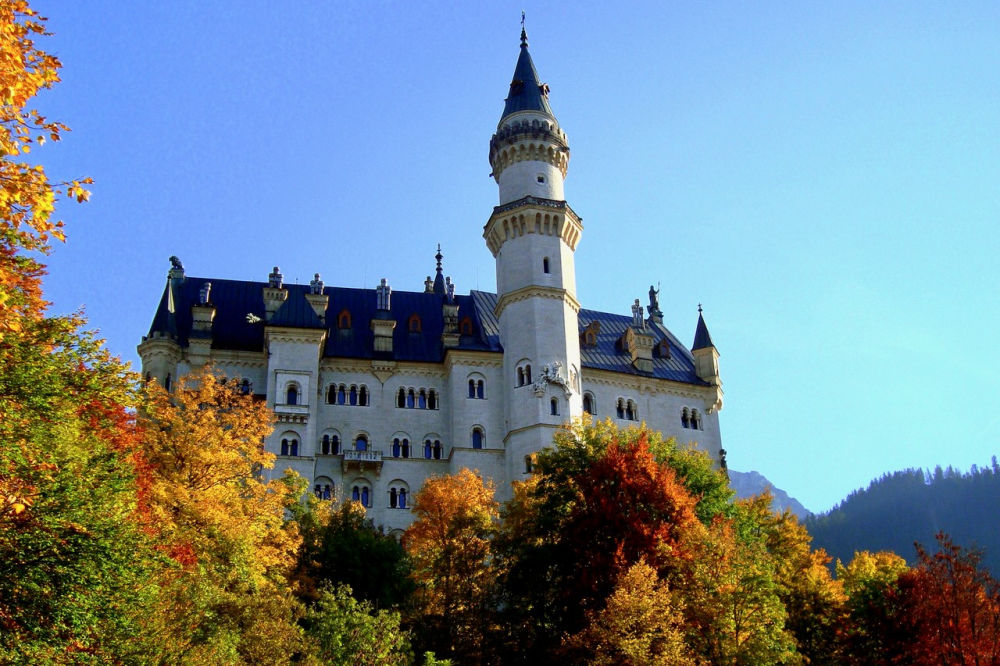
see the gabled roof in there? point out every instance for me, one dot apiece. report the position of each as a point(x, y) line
point(233, 329)
point(525, 89)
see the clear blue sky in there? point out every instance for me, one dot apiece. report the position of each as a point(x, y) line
point(824, 177)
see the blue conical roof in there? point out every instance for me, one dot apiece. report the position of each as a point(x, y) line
point(526, 92)
point(702, 338)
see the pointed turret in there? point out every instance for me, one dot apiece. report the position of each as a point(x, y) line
point(526, 93)
point(702, 338)
point(706, 359)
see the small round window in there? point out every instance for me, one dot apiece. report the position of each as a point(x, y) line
point(541, 178)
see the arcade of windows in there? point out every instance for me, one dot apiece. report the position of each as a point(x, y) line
point(343, 394)
point(289, 446)
point(323, 488)
point(626, 409)
point(398, 495)
point(523, 374)
point(361, 492)
point(417, 398)
point(690, 418)
point(477, 389)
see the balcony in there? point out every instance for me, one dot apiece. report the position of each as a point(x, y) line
point(363, 461)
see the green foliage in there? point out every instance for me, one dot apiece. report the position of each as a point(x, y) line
point(342, 546)
point(348, 632)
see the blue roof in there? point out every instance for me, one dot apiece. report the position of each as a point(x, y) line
point(525, 89)
point(235, 299)
point(702, 339)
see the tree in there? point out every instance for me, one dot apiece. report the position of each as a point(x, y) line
point(640, 625)
point(876, 631)
point(228, 598)
point(342, 546)
point(348, 632)
point(954, 607)
point(27, 196)
point(450, 545)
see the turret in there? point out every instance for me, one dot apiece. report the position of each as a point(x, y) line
point(706, 359)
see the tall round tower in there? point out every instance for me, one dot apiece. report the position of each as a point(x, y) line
point(533, 235)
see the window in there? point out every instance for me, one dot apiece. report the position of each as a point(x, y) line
point(528, 464)
point(523, 373)
point(437, 450)
point(149, 377)
point(465, 326)
point(325, 445)
point(527, 374)
point(427, 449)
point(166, 383)
point(397, 494)
point(245, 387)
point(410, 399)
point(341, 395)
point(545, 265)
point(413, 325)
point(406, 448)
point(477, 438)
point(401, 398)
point(540, 178)
point(554, 406)
point(289, 446)
point(365, 498)
point(422, 399)
point(588, 403)
point(520, 376)
point(630, 411)
point(620, 408)
point(400, 447)
point(361, 491)
point(696, 420)
point(323, 488)
point(361, 443)
point(331, 395)
point(292, 395)
point(477, 388)
point(363, 396)
point(685, 418)
point(472, 388)
point(344, 319)
point(396, 448)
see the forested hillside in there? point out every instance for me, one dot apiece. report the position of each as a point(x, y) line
point(912, 505)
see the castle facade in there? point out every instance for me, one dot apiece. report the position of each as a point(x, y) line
point(375, 390)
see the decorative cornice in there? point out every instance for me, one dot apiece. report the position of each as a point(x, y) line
point(551, 218)
point(288, 334)
point(646, 385)
point(153, 347)
point(535, 291)
point(478, 359)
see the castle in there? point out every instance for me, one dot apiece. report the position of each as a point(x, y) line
point(375, 390)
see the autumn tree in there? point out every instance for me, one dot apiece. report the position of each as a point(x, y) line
point(228, 599)
point(641, 625)
point(953, 607)
point(450, 546)
point(876, 631)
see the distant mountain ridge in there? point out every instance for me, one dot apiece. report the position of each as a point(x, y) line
point(748, 484)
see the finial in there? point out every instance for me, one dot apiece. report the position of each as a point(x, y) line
point(524, 35)
point(439, 257)
point(699, 308)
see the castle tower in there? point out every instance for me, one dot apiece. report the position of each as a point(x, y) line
point(533, 235)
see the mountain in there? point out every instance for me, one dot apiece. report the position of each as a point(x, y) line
point(748, 484)
point(912, 505)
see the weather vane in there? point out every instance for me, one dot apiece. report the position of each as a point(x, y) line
point(522, 19)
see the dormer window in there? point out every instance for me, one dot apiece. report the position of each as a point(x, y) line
point(414, 325)
point(344, 319)
point(465, 327)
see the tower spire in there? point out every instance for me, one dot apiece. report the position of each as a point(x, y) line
point(439, 286)
point(524, 35)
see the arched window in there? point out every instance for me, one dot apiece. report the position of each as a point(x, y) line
point(166, 383)
point(392, 498)
point(284, 447)
point(477, 438)
point(437, 450)
point(401, 398)
point(289, 446)
point(465, 326)
point(695, 419)
point(361, 443)
point(414, 325)
point(527, 374)
point(396, 448)
point(545, 265)
point(149, 377)
point(335, 445)
point(472, 388)
point(422, 399)
point(520, 376)
point(323, 488)
point(325, 446)
point(331, 395)
point(588, 403)
point(245, 387)
point(344, 319)
point(481, 389)
point(356, 494)
point(294, 448)
point(402, 498)
point(528, 464)
point(630, 411)
point(406, 448)
point(365, 496)
point(292, 395)
point(341, 395)
point(354, 395)
point(685, 418)
point(410, 399)
point(554, 406)
point(427, 449)
point(363, 396)
point(432, 400)
point(620, 408)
